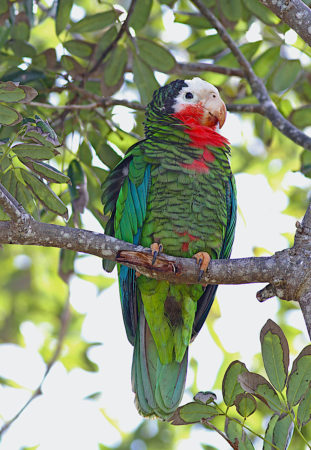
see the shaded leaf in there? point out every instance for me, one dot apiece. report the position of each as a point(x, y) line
point(105, 40)
point(34, 151)
point(155, 55)
point(79, 48)
point(66, 264)
point(9, 116)
point(285, 75)
point(207, 46)
point(62, 14)
point(275, 354)
point(192, 413)
point(115, 66)
point(266, 62)
point(304, 408)
point(302, 117)
point(195, 21)
point(45, 194)
point(94, 22)
point(230, 384)
point(140, 14)
point(22, 48)
point(144, 80)
point(282, 432)
point(261, 388)
point(245, 404)
point(269, 433)
point(106, 154)
point(231, 9)
point(300, 377)
point(261, 12)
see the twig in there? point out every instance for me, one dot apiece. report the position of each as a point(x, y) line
point(117, 38)
point(210, 424)
point(195, 67)
point(295, 13)
point(257, 85)
point(65, 319)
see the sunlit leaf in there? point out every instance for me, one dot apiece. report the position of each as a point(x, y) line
point(192, 413)
point(275, 354)
point(230, 384)
point(100, 281)
point(283, 431)
point(79, 48)
point(34, 151)
point(46, 171)
point(258, 386)
point(262, 12)
point(300, 377)
point(285, 75)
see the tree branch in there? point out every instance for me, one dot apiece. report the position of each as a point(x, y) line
point(11, 207)
point(195, 67)
point(295, 13)
point(257, 85)
point(114, 42)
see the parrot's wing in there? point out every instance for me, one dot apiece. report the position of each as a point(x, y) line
point(125, 198)
point(206, 300)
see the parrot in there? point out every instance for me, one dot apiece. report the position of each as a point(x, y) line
point(173, 192)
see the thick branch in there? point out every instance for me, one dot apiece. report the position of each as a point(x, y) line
point(257, 85)
point(295, 13)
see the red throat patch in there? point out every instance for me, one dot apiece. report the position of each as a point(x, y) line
point(201, 136)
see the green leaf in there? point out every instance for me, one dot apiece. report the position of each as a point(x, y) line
point(115, 66)
point(300, 377)
point(100, 281)
point(10, 92)
point(305, 159)
point(304, 408)
point(25, 198)
point(44, 193)
point(4, 6)
point(105, 40)
point(207, 46)
point(9, 116)
point(155, 55)
point(22, 48)
point(302, 117)
point(46, 171)
point(245, 404)
point(231, 9)
point(94, 22)
point(285, 75)
point(21, 29)
point(62, 14)
point(230, 384)
point(192, 20)
point(192, 413)
point(79, 48)
point(282, 432)
point(266, 62)
point(33, 151)
point(263, 13)
point(248, 51)
point(140, 15)
point(84, 153)
point(144, 80)
point(269, 433)
point(275, 354)
point(236, 434)
point(261, 388)
point(107, 155)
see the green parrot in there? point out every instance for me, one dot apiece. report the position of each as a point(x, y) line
point(173, 191)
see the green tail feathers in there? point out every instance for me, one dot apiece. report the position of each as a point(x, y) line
point(159, 387)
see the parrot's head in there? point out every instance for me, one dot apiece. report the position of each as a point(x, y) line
point(194, 99)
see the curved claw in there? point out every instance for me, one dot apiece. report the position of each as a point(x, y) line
point(203, 260)
point(156, 249)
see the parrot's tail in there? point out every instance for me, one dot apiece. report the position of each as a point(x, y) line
point(159, 387)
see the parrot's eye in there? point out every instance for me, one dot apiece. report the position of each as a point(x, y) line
point(214, 95)
point(188, 95)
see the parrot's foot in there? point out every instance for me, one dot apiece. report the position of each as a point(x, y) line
point(156, 249)
point(203, 260)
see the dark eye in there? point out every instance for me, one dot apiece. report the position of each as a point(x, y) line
point(214, 95)
point(189, 95)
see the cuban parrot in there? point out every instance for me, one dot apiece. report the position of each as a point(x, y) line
point(173, 191)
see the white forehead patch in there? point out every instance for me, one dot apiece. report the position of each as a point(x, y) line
point(200, 90)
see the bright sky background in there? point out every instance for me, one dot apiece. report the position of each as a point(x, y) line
point(46, 420)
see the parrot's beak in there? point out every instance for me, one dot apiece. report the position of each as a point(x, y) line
point(215, 112)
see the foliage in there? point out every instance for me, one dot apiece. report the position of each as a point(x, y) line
point(69, 70)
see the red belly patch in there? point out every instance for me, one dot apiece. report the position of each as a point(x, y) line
point(185, 245)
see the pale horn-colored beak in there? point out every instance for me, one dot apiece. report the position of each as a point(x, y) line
point(221, 113)
point(215, 112)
